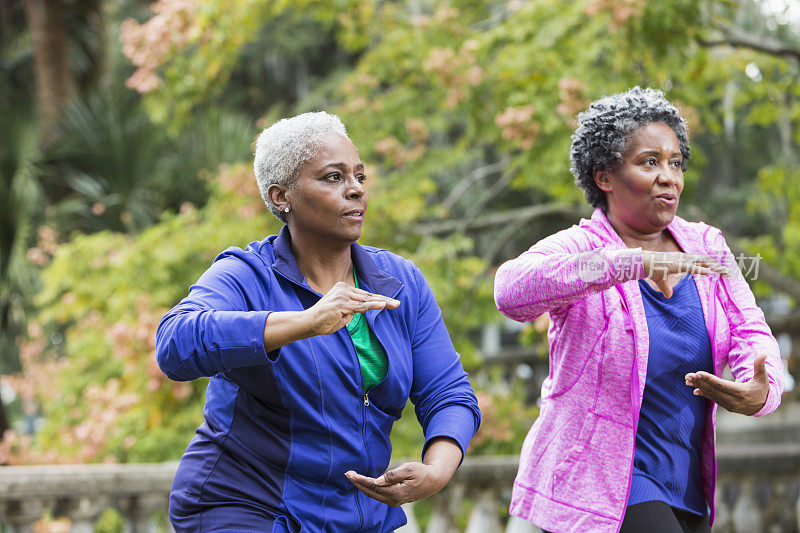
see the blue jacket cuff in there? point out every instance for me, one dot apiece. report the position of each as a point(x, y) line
point(455, 421)
point(248, 349)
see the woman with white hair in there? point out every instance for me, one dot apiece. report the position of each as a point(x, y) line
point(314, 344)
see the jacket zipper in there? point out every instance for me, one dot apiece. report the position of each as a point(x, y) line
point(628, 317)
point(363, 429)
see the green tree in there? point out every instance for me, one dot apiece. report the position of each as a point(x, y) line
point(463, 112)
point(19, 196)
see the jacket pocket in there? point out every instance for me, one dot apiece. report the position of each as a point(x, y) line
point(592, 477)
point(568, 362)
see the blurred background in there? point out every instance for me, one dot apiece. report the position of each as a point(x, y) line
point(126, 132)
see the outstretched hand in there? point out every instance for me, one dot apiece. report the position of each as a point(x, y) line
point(407, 483)
point(334, 310)
point(745, 398)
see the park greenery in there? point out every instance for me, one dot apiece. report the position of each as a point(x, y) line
point(119, 193)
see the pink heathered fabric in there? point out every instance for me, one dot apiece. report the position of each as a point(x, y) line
point(575, 466)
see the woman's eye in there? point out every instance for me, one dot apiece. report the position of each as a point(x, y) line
point(334, 176)
point(650, 162)
point(676, 164)
point(361, 178)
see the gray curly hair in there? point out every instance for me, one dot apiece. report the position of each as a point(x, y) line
point(604, 130)
point(283, 148)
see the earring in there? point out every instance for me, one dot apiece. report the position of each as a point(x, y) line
point(286, 209)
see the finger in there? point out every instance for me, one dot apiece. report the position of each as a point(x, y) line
point(359, 292)
point(719, 390)
point(760, 368)
point(390, 500)
point(711, 381)
point(362, 295)
point(664, 287)
point(388, 495)
point(722, 400)
point(370, 305)
point(712, 262)
point(369, 301)
point(716, 268)
point(699, 269)
point(713, 396)
point(694, 377)
point(354, 476)
point(362, 485)
point(372, 493)
point(396, 475)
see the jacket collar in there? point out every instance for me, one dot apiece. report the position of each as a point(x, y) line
point(372, 277)
point(679, 228)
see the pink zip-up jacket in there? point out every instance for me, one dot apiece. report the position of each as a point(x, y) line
point(575, 466)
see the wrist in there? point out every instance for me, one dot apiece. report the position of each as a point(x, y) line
point(647, 260)
point(307, 323)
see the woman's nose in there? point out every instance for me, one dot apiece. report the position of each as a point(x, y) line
point(355, 189)
point(667, 174)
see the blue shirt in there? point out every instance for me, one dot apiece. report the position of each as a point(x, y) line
point(666, 464)
point(282, 428)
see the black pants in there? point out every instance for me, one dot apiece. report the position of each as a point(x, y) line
point(658, 517)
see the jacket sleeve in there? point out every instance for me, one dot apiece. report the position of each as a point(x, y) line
point(750, 334)
point(558, 271)
point(211, 330)
point(444, 401)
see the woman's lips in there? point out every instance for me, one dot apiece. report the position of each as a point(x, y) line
point(354, 215)
point(667, 199)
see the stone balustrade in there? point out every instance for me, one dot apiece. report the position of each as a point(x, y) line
point(82, 493)
point(758, 491)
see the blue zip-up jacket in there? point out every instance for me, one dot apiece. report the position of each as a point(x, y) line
point(282, 428)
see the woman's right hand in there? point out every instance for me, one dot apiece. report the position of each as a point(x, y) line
point(334, 310)
point(659, 265)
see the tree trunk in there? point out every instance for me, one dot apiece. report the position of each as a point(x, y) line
point(53, 79)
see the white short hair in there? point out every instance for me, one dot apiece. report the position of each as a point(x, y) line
point(283, 148)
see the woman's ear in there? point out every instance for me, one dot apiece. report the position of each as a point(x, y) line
point(277, 195)
point(602, 178)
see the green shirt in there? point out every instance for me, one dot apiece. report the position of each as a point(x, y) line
point(371, 357)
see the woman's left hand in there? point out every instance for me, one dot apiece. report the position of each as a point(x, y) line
point(744, 398)
point(407, 483)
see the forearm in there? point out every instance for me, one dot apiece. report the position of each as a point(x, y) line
point(285, 327)
point(536, 282)
point(444, 455)
point(192, 342)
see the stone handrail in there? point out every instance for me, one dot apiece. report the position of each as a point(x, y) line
point(82, 492)
point(758, 491)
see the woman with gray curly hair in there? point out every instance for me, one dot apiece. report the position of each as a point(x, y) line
point(313, 344)
point(646, 311)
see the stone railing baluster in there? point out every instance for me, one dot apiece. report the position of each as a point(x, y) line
point(411, 525)
point(722, 511)
point(746, 515)
point(446, 507)
point(518, 525)
point(22, 514)
point(85, 511)
point(484, 515)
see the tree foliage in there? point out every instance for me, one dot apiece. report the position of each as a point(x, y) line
point(462, 110)
point(103, 394)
